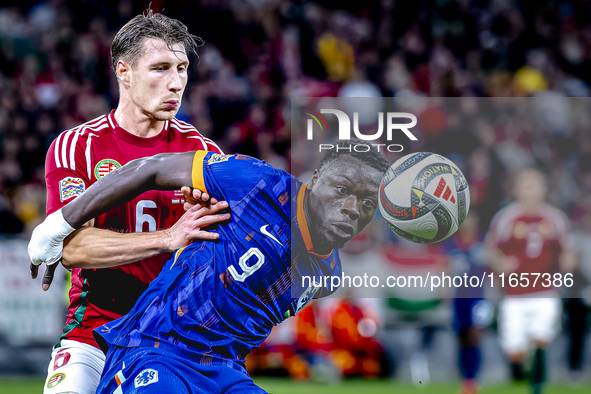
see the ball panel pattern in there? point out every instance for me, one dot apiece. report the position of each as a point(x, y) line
point(408, 236)
point(426, 226)
point(392, 210)
point(462, 206)
point(409, 161)
point(445, 221)
point(429, 172)
point(420, 204)
point(424, 197)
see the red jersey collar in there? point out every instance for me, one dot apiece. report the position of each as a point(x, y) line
point(134, 139)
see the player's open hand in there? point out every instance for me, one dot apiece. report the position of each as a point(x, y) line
point(509, 264)
point(192, 224)
point(47, 277)
point(196, 197)
point(46, 245)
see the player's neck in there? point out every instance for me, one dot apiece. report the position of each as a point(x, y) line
point(132, 120)
point(310, 228)
point(531, 208)
point(468, 239)
point(305, 207)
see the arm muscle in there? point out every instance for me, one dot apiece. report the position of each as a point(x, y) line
point(167, 171)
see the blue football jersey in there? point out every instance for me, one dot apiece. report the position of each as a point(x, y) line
point(218, 300)
point(467, 259)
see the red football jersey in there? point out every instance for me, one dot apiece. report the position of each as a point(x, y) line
point(77, 159)
point(535, 240)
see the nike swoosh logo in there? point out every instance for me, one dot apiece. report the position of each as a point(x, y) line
point(268, 234)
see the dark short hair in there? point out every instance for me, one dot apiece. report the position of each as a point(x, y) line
point(372, 157)
point(127, 44)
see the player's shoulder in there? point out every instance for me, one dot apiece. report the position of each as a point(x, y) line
point(506, 215)
point(554, 214)
point(510, 212)
point(239, 163)
point(73, 135)
point(66, 147)
point(191, 136)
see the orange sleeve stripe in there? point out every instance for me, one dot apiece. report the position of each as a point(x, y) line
point(178, 253)
point(301, 216)
point(197, 172)
point(302, 219)
point(119, 378)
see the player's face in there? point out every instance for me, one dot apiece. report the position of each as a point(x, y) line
point(158, 80)
point(343, 197)
point(530, 188)
point(470, 225)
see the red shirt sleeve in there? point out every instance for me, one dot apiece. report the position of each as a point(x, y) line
point(491, 240)
point(198, 141)
point(563, 228)
point(212, 146)
point(66, 170)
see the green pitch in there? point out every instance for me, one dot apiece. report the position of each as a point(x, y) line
point(286, 386)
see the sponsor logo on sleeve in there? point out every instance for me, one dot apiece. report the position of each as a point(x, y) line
point(308, 295)
point(218, 158)
point(146, 377)
point(71, 187)
point(55, 380)
point(104, 167)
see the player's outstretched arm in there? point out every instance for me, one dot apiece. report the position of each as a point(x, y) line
point(166, 171)
point(161, 172)
point(91, 247)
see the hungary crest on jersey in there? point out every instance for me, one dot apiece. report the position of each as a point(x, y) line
point(104, 167)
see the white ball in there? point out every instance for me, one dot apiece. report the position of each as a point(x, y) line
point(424, 197)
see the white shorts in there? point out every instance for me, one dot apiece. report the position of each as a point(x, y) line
point(75, 367)
point(524, 320)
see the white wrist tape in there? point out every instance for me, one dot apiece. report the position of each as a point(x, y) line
point(46, 245)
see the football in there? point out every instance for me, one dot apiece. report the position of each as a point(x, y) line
point(424, 197)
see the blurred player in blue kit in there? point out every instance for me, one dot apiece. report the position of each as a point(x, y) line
point(214, 302)
point(472, 312)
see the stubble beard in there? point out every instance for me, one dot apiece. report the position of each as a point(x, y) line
point(164, 115)
point(324, 242)
point(159, 115)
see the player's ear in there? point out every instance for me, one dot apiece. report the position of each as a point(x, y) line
point(314, 178)
point(123, 69)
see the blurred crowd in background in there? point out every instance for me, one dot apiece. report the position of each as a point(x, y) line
point(55, 74)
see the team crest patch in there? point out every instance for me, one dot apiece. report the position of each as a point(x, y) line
point(146, 377)
point(55, 380)
point(218, 158)
point(104, 167)
point(71, 187)
point(308, 295)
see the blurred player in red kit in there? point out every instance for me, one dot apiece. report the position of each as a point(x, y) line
point(293, 346)
point(527, 237)
point(150, 59)
point(354, 348)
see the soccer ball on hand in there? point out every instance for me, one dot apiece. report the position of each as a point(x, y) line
point(424, 197)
